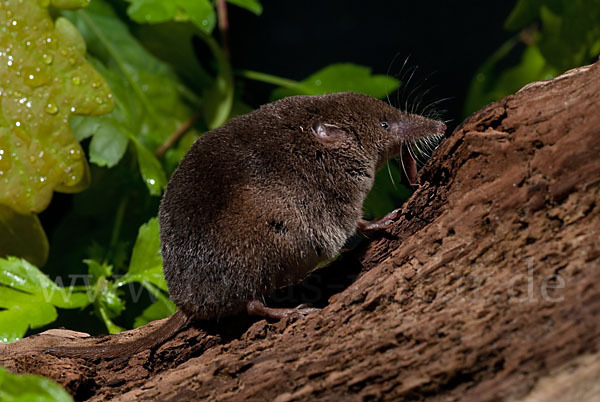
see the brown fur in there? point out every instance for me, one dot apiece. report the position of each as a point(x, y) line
point(257, 203)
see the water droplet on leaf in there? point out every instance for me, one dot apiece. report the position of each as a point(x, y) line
point(51, 108)
point(47, 58)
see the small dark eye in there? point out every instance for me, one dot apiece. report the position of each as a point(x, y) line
point(384, 124)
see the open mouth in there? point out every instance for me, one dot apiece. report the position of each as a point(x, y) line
point(409, 164)
point(416, 153)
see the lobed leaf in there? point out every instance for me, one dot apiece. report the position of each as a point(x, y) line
point(341, 78)
point(46, 78)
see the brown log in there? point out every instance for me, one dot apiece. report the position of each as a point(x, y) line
point(485, 289)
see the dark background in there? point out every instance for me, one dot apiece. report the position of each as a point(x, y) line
point(447, 40)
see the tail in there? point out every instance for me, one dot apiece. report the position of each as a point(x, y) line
point(174, 324)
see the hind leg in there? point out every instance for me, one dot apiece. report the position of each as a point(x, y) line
point(256, 307)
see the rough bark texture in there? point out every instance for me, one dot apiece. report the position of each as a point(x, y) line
point(485, 288)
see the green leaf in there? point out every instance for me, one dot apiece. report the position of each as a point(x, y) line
point(106, 316)
point(218, 99)
point(96, 271)
point(47, 79)
point(155, 311)
point(149, 102)
point(15, 322)
point(108, 145)
point(341, 78)
point(163, 307)
point(21, 275)
point(490, 85)
point(29, 298)
point(28, 387)
point(146, 261)
point(22, 236)
point(159, 39)
point(112, 303)
point(200, 12)
point(250, 5)
point(151, 11)
point(569, 34)
point(146, 251)
point(151, 169)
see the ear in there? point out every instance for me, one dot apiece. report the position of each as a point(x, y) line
point(327, 133)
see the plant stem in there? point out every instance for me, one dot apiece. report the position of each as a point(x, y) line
point(223, 25)
point(272, 79)
point(160, 151)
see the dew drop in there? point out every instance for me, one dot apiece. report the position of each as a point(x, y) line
point(18, 123)
point(51, 108)
point(76, 80)
point(31, 158)
point(47, 58)
point(94, 84)
point(43, 179)
point(74, 154)
point(151, 182)
point(99, 100)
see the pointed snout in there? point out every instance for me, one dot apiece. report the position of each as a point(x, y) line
point(441, 128)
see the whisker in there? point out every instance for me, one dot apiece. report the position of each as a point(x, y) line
point(391, 176)
point(432, 104)
point(414, 69)
point(388, 74)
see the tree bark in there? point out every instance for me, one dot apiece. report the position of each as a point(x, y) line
point(485, 288)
